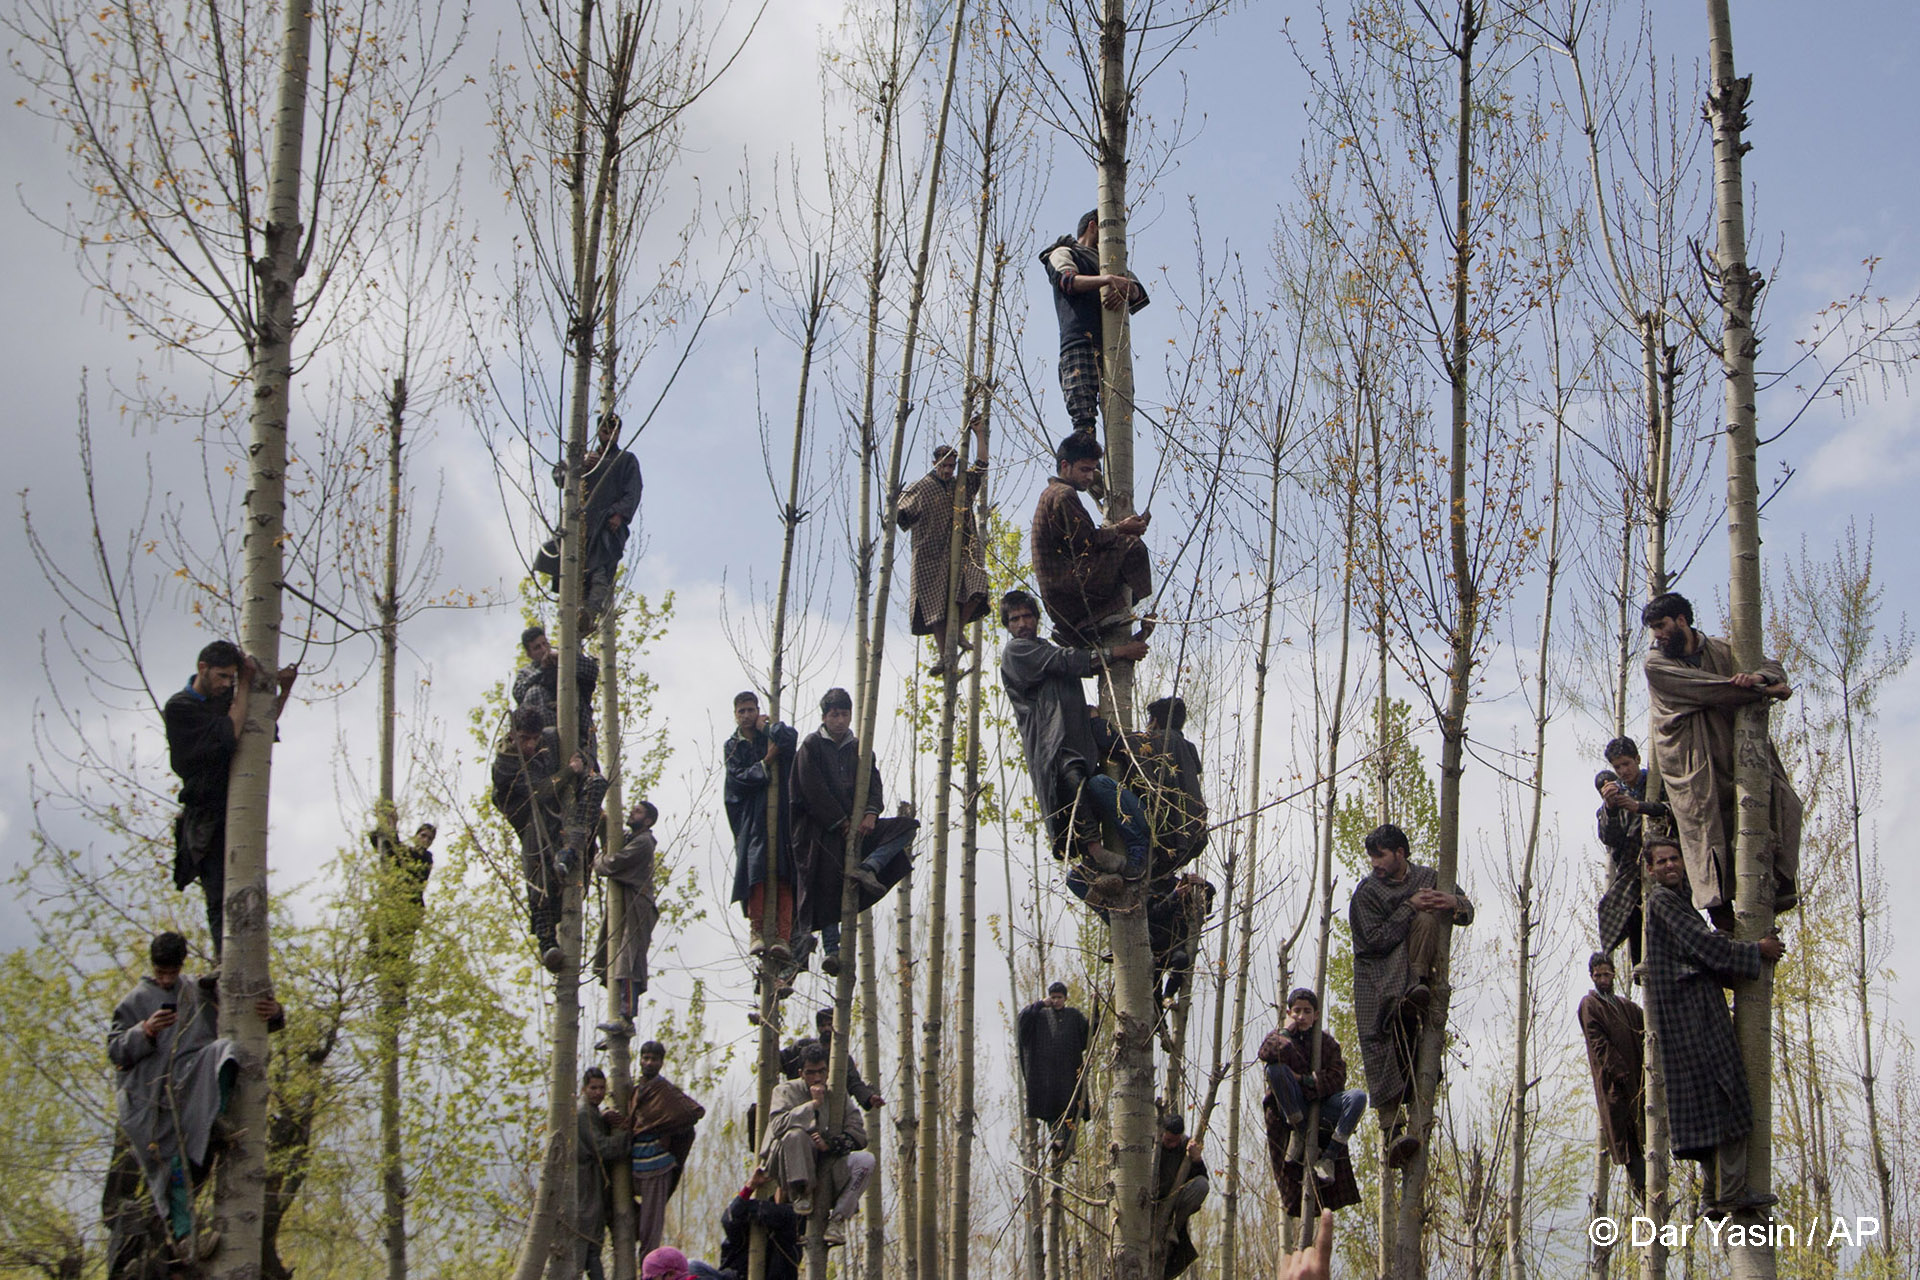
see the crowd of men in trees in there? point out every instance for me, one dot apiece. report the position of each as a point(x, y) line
point(1125, 814)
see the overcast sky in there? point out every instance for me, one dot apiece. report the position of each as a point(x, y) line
point(1835, 179)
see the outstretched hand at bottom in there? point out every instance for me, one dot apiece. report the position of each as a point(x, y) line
point(1315, 1263)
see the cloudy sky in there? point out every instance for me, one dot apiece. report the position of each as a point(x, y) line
point(1835, 179)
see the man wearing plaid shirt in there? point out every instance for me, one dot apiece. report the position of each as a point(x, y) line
point(1708, 1112)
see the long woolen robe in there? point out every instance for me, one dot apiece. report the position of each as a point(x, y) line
point(1050, 708)
point(632, 869)
point(1053, 1055)
point(1614, 1029)
point(599, 1145)
point(746, 799)
point(169, 1087)
point(1686, 965)
point(926, 508)
point(823, 784)
point(1380, 915)
point(1692, 709)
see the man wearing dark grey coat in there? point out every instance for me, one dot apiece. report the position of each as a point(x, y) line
point(175, 1078)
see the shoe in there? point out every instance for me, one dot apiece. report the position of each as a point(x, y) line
point(198, 1247)
point(836, 1233)
point(803, 1204)
point(785, 988)
point(1101, 858)
point(864, 877)
point(778, 952)
point(937, 670)
point(1404, 1148)
point(620, 1027)
point(1296, 1147)
point(830, 964)
point(1323, 1169)
point(554, 958)
point(1137, 863)
point(1419, 998)
point(1107, 892)
point(599, 1046)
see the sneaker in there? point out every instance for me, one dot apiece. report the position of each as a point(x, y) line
point(778, 952)
point(1404, 1148)
point(802, 1204)
point(863, 876)
point(620, 1027)
point(1419, 999)
point(554, 958)
point(830, 964)
point(1101, 858)
point(1324, 1169)
point(836, 1233)
point(1138, 860)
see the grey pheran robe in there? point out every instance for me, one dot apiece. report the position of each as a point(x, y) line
point(632, 869)
point(1692, 712)
point(169, 1088)
point(1043, 683)
point(1380, 914)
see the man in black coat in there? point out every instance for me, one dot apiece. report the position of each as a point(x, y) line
point(203, 723)
point(611, 480)
point(1053, 1040)
point(824, 774)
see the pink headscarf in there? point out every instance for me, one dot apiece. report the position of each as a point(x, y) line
point(664, 1263)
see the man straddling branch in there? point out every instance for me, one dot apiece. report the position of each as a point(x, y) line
point(1090, 575)
point(808, 1155)
point(1396, 915)
point(1063, 759)
point(824, 774)
point(176, 1077)
point(1614, 1029)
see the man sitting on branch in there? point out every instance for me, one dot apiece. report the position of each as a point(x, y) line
point(1063, 760)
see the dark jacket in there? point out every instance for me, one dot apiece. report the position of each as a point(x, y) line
point(783, 1236)
point(824, 773)
point(1053, 1055)
point(526, 791)
point(1294, 1051)
point(746, 799)
point(1043, 683)
point(1079, 313)
point(200, 746)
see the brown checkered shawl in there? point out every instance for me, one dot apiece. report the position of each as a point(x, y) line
point(1687, 964)
point(1084, 570)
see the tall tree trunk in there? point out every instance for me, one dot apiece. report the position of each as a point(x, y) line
point(1409, 1260)
point(904, 957)
point(1523, 982)
point(767, 1068)
point(1862, 974)
point(976, 400)
point(1262, 654)
point(1739, 286)
point(391, 907)
point(620, 1221)
point(244, 968)
point(867, 703)
point(1131, 1153)
point(555, 1197)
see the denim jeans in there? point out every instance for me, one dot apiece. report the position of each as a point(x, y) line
point(1346, 1107)
point(1123, 809)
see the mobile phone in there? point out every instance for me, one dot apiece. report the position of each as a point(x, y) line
point(169, 1008)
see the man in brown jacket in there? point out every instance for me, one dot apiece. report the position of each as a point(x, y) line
point(1693, 693)
point(1090, 575)
point(1615, 1029)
